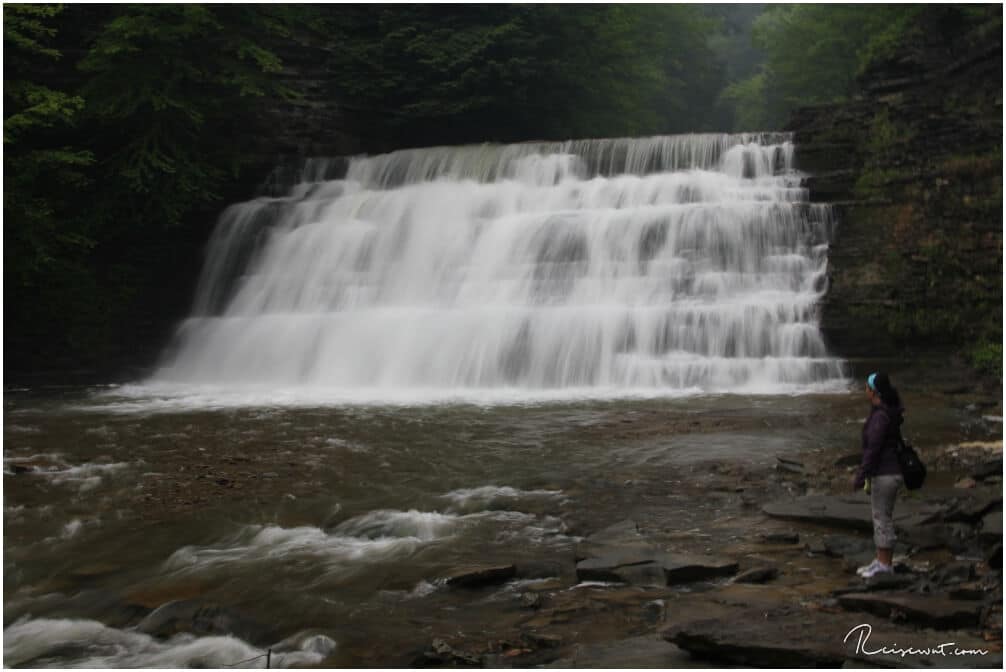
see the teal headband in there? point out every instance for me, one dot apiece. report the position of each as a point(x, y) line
point(869, 381)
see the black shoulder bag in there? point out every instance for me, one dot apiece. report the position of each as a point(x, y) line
point(912, 469)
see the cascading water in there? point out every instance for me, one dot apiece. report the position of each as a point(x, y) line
point(668, 264)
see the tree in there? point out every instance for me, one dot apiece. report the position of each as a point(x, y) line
point(814, 54)
point(463, 73)
point(45, 247)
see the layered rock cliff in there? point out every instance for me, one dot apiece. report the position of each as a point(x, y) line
point(914, 168)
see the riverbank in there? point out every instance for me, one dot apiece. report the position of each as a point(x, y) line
point(782, 591)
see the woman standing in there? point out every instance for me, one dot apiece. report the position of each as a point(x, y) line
point(880, 471)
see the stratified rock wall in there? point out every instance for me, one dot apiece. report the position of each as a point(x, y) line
point(914, 166)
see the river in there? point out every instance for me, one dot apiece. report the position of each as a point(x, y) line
point(333, 528)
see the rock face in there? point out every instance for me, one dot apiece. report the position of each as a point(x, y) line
point(914, 169)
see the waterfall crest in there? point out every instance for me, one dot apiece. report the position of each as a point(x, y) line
point(687, 262)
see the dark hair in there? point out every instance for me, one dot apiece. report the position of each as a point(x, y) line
point(888, 393)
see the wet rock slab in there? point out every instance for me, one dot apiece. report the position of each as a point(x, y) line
point(481, 575)
point(851, 511)
point(620, 554)
point(653, 567)
point(645, 652)
point(931, 611)
point(757, 575)
point(795, 637)
point(992, 527)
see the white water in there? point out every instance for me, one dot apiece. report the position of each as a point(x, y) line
point(668, 265)
point(45, 642)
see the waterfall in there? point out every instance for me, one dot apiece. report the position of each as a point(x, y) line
point(675, 263)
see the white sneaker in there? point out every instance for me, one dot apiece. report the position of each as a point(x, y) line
point(867, 568)
point(879, 568)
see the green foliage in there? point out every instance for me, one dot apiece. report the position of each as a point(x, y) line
point(987, 359)
point(35, 161)
point(190, 69)
point(748, 99)
point(104, 152)
point(517, 72)
point(813, 55)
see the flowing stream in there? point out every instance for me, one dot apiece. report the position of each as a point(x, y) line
point(414, 362)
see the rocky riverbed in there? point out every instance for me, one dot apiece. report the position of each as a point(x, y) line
point(632, 534)
point(783, 592)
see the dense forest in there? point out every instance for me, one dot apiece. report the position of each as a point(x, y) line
point(128, 127)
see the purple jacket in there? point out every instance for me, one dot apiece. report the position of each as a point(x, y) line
point(880, 437)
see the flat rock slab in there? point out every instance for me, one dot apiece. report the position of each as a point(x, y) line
point(992, 527)
point(653, 567)
point(645, 652)
point(795, 637)
point(851, 511)
point(841, 545)
point(757, 575)
point(891, 581)
point(620, 536)
point(931, 611)
point(953, 536)
point(482, 575)
point(684, 569)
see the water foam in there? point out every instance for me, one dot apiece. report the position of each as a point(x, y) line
point(334, 553)
point(493, 496)
point(84, 643)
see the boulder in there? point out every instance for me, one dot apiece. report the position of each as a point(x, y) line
point(930, 611)
point(481, 575)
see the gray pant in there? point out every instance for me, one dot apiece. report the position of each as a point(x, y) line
point(883, 493)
